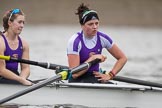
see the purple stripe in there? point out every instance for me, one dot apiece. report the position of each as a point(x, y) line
point(105, 36)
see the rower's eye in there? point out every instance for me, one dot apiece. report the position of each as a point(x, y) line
point(21, 22)
point(96, 23)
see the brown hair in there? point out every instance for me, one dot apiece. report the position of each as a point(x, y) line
point(12, 17)
point(85, 14)
point(81, 9)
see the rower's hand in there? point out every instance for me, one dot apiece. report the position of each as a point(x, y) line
point(25, 82)
point(97, 56)
point(101, 77)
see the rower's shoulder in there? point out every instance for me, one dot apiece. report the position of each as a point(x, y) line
point(102, 34)
point(74, 38)
point(1, 40)
point(2, 44)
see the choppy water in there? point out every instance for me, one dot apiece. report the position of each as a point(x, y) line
point(142, 46)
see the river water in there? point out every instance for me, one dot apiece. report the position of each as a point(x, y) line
point(142, 46)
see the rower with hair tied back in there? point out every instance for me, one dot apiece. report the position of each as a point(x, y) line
point(87, 45)
point(11, 44)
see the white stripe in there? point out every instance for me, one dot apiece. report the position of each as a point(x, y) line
point(48, 65)
point(88, 65)
point(87, 12)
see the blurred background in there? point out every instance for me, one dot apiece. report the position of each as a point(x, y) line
point(135, 25)
point(111, 12)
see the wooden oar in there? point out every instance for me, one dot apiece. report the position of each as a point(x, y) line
point(60, 76)
point(41, 64)
point(136, 81)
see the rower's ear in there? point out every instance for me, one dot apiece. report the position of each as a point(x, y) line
point(9, 23)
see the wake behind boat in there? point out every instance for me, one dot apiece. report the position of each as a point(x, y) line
point(86, 94)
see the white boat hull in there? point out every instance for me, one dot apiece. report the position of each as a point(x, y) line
point(90, 95)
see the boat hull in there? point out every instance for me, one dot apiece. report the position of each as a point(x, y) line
point(90, 95)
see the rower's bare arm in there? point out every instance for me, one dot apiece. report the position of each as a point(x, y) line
point(74, 61)
point(120, 57)
point(25, 68)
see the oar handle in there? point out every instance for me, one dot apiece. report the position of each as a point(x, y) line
point(4, 57)
point(95, 61)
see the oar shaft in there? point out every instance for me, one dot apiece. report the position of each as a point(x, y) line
point(136, 81)
point(60, 76)
point(24, 61)
point(31, 88)
point(79, 68)
point(41, 64)
point(84, 66)
point(53, 66)
point(50, 65)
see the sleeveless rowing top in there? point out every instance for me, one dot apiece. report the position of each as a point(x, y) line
point(85, 52)
point(11, 65)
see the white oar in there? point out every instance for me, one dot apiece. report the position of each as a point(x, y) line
point(61, 76)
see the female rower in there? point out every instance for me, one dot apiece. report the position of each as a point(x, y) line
point(87, 45)
point(11, 44)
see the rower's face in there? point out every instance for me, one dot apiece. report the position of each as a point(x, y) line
point(90, 28)
point(17, 25)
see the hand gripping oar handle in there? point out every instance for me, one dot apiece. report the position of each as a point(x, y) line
point(60, 76)
point(136, 81)
point(41, 64)
point(68, 72)
point(84, 66)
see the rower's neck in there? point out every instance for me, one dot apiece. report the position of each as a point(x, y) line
point(10, 36)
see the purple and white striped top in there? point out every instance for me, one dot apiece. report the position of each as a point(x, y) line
point(85, 47)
